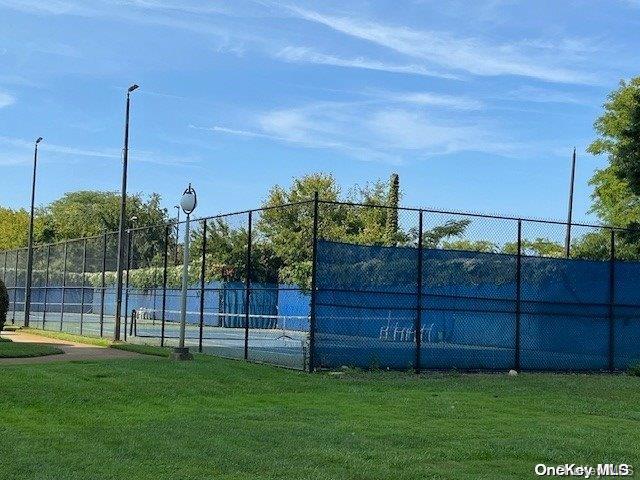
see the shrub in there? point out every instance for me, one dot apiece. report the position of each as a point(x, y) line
point(4, 304)
point(634, 369)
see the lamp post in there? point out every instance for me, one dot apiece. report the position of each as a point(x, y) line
point(175, 260)
point(123, 207)
point(188, 204)
point(27, 292)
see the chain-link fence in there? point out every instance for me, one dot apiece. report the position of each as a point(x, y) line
point(321, 284)
point(428, 289)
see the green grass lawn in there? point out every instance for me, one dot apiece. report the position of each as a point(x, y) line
point(10, 349)
point(224, 419)
point(102, 342)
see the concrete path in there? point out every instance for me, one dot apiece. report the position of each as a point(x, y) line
point(72, 350)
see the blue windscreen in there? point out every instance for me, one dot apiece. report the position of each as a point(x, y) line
point(572, 314)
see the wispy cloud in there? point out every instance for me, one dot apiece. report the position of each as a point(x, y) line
point(6, 99)
point(234, 131)
point(308, 55)
point(21, 150)
point(432, 99)
point(51, 7)
point(374, 131)
point(472, 55)
point(543, 95)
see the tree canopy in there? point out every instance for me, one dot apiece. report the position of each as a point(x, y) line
point(14, 226)
point(86, 213)
point(616, 196)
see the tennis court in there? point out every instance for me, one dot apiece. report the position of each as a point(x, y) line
point(280, 346)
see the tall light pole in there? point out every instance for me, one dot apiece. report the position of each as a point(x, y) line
point(123, 207)
point(188, 203)
point(175, 260)
point(27, 293)
point(567, 241)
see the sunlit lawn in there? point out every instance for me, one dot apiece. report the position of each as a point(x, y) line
point(214, 418)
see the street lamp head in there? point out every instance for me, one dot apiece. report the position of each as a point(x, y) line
point(39, 140)
point(189, 200)
point(132, 88)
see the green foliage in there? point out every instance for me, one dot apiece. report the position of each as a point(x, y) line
point(613, 201)
point(14, 227)
point(287, 232)
point(471, 245)
point(616, 187)
point(593, 246)
point(394, 203)
point(4, 304)
point(634, 369)
point(452, 228)
point(618, 131)
point(542, 247)
point(87, 213)
point(226, 253)
point(616, 196)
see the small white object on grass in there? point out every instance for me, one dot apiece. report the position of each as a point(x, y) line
point(512, 373)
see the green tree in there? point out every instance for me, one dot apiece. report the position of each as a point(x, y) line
point(88, 213)
point(616, 187)
point(14, 226)
point(394, 203)
point(434, 237)
point(226, 253)
point(616, 195)
point(542, 247)
point(288, 230)
point(618, 130)
point(471, 245)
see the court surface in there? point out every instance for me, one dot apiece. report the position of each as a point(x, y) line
point(280, 346)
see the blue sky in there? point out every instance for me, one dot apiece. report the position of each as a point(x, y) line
point(477, 105)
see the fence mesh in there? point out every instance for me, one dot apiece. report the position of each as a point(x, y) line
point(325, 284)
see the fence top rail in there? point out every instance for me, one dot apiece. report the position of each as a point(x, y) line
point(174, 223)
point(479, 215)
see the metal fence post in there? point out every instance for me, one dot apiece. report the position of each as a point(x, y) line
point(418, 322)
point(314, 252)
point(84, 271)
point(15, 287)
point(46, 288)
point(164, 282)
point(64, 284)
point(518, 295)
point(612, 299)
point(4, 272)
point(202, 282)
point(247, 289)
point(103, 283)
